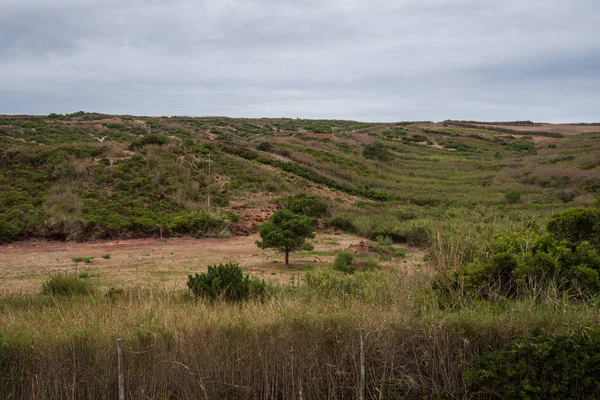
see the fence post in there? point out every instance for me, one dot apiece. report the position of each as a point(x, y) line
point(121, 375)
point(361, 392)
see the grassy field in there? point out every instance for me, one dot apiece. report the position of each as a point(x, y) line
point(446, 194)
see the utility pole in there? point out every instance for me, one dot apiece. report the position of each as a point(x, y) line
point(209, 161)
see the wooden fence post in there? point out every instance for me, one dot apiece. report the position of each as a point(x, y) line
point(121, 375)
point(361, 392)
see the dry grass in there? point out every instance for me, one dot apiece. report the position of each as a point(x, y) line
point(154, 262)
point(297, 344)
point(300, 343)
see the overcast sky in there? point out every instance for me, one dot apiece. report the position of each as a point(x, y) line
point(373, 60)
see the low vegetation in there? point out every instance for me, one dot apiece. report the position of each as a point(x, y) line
point(226, 282)
point(66, 285)
point(542, 366)
point(494, 293)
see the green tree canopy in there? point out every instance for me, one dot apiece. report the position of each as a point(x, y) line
point(286, 231)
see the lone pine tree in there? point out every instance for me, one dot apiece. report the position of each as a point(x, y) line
point(286, 231)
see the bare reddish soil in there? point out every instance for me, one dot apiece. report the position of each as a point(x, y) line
point(155, 262)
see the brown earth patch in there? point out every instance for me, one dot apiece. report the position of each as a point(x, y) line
point(565, 129)
point(362, 249)
point(155, 262)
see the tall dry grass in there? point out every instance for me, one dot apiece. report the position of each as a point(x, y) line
point(298, 344)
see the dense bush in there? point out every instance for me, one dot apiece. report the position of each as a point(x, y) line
point(565, 196)
point(512, 197)
point(9, 230)
point(146, 140)
point(377, 151)
point(592, 185)
point(414, 139)
point(517, 262)
point(264, 146)
point(343, 223)
point(66, 285)
point(541, 367)
point(226, 282)
point(307, 205)
point(87, 260)
point(384, 240)
point(199, 223)
point(417, 233)
point(576, 225)
point(343, 262)
point(458, 146)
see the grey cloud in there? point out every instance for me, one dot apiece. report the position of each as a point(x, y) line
point(35, 32)
point(377, 60)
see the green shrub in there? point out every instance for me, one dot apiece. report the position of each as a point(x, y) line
point(86, 260)
point(592, 185)
point(541, 367)
point(384, 240)
point(405, 215)
point(83, 275)
point(512, 197)
point(367, 264)
point(66, 285)
point(199, 223)
point(417, 233)
point(310, 206)
point(226, 282)
point(394, 133)
point(343, 223)
point(390, 233)
point(576, 225)
point(516, 262)
point(12, 198)
point(264, 146)
point(152, 139)
point(106, 256)
point(589, 165)
point(343, 262)
point(9, 230)
point(388, 252)
point(565, 197)
point(377, 151)
point(327, 282)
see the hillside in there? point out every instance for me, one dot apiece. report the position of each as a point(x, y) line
point(87, 176)
point(457, 251)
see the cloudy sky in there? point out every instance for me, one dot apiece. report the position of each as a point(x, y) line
point(374, 60)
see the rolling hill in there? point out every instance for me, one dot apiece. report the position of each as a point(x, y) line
point(88, 176)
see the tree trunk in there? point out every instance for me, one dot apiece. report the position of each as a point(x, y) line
point(287, 257)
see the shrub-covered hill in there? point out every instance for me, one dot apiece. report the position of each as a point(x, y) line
point(86, 176)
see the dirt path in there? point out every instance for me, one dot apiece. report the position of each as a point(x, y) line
point(154, 262)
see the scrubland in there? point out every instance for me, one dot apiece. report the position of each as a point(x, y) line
point(502, 302)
